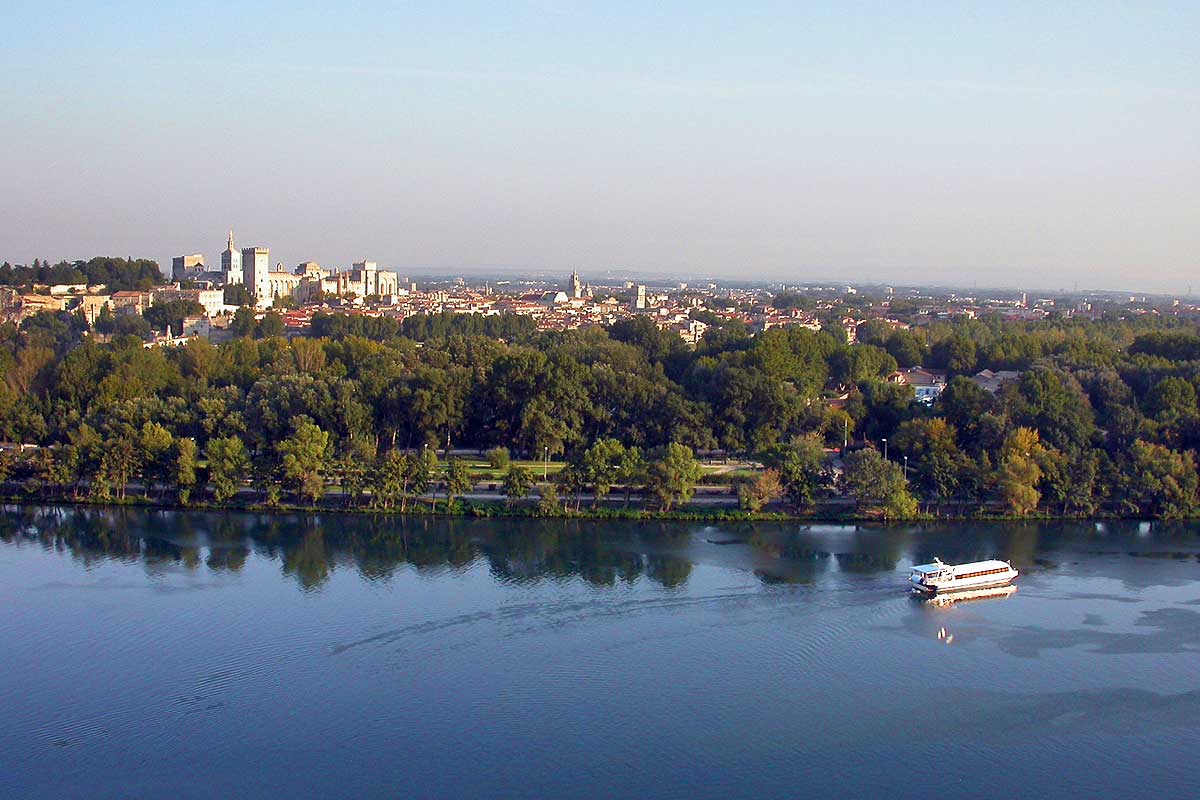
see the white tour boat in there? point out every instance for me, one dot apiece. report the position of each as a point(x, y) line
point(939, 577)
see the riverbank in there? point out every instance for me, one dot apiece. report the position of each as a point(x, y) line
point(829, 510)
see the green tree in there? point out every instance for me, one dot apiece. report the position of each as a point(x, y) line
point(421, 470)
point(548, 503)
point(760, 492)
point(906, 348)
point(801, 469)
point(356, 456)
point(1171, 397)
point(673, 474)
point(243, 322)
point(957, 354)
point(118, 465)
point(1020, 470)
point(878, 485)
point(269, 326)
point(633, 471)
point(601, 466)
point(228, 463)
point(302, 457)
point(1053, 403)
point(498, 458)
point(1161, 482)
point(517, 483)
point(171, 314)
point(309, 355)
point(185, 468)
point(59, 466)
point(458, 479)
point(390, 480)
point(237, 294)
point(938, 465)
point(157, 446)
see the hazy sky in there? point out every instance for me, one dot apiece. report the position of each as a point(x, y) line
point(1043, 143)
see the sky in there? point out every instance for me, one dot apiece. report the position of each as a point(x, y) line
point(1023, 144)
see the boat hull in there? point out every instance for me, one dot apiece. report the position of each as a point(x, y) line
point(963, 586)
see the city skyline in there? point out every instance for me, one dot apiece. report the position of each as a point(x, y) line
point(228, 267)
point(1013, 146)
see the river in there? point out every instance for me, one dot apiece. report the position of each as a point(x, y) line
point(175, 654)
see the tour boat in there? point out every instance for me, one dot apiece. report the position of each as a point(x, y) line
point(939, 577)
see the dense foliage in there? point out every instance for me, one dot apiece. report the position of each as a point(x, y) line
point(1103, 415)
point(117, 274)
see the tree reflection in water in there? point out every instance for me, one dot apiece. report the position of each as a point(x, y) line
point(311, 547)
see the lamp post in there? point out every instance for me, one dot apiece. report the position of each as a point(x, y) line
point(885, 449)
point(906, 468)
point(546, 462)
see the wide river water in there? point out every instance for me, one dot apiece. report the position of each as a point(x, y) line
point(169, 654)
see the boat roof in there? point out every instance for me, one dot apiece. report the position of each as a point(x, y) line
point(974, 566)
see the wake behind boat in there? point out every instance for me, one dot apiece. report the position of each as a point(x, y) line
point(939, 577)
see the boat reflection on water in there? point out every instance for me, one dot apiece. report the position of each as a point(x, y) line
point(947, 599)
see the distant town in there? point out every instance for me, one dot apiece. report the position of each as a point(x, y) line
point(204, 302)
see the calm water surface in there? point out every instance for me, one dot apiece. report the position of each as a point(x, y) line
point(164, 654)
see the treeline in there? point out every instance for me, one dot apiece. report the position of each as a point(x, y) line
point(1103, 417)
point(117, 274)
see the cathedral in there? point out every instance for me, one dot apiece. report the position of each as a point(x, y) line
point(577, 288)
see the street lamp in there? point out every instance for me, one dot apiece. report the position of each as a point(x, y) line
point(546, 463)
point(906, 468)
point(885, 449)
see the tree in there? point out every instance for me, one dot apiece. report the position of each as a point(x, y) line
point(1054, 403)
point(59, 467)
point(302, 457)
point(269, 326)
point(904, 346)
point(355, 457)
point(760, 492)
point(171, 314)
point(185, 468)
point(633, 471)
point(800, 467)
point(573, 481)
point(938, 464)
point(1171, 397)
point(237, 294)
point(228, 463)
point(458, 479)
point(963, 402)
point(498, 458)
point(601, 466)
point(157, 446)
point(309, 355)
point(673, 475)
point(390, 480)
point(548, 503)
point(878, 485)
point(118, 464)
point(1020, 470)
point(517, 483)
point(421, 469)
point(956, 354)
point(1161, 482)
point(862, 362)
point(243, 323)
